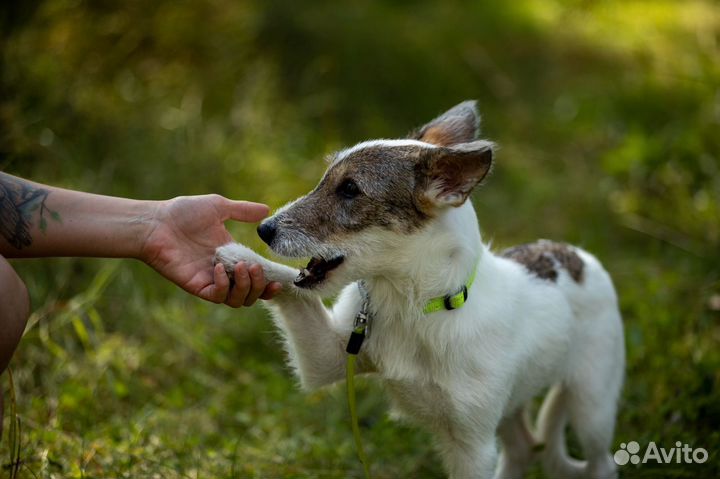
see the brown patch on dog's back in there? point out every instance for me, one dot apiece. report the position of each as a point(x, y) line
point(543, 258)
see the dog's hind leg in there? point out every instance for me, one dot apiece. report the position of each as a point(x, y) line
point(591, 385)
point(517, 446)
point(593, 422)
point(593, 390)
point(552, 421)
point(588, 398)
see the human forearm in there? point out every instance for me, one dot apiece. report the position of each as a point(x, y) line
point(176, 237)
point(38, 220)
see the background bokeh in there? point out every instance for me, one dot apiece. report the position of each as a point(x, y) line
point(607, 115)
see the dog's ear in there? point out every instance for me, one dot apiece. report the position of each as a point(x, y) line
point(448, 175)
point(460, 124)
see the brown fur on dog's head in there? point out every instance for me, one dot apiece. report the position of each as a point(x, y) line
point(393, 185)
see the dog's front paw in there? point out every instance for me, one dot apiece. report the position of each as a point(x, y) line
point(232, 253)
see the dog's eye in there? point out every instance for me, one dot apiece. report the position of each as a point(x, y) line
point(348, 189)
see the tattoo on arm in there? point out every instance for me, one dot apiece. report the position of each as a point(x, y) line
point(20, 203)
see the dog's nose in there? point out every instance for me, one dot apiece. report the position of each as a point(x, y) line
point(267, 231)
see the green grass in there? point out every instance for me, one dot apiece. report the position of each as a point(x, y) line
point(607, 118)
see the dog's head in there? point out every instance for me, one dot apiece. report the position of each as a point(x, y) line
point(376, 193)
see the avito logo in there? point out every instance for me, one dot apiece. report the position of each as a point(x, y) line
point(680, 454)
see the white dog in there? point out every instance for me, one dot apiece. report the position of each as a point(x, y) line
point(462, 337)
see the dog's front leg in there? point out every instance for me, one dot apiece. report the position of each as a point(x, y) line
point(469, 457)
point(468, 444)
point(315, 341)
point(232, 253)
point(315, 349)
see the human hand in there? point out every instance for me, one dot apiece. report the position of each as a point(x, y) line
point(182, 243)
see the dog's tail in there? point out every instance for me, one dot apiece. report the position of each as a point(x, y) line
point(552, 421)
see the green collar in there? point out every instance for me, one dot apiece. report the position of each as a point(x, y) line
point(450, 301)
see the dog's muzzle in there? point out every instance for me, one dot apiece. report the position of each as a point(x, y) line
point(267, 231)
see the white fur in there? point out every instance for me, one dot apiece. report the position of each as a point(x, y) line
point(373, 143)
point(467, 374)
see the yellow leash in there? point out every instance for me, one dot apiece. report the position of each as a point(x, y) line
point(359, 332)
point(353, 413)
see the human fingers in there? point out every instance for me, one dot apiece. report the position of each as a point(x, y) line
point(239, 292)
point(218, 290)
point(257, 284)
point(246, 211)
point(271, 290)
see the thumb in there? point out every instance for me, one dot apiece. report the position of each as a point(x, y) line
point(246, 211)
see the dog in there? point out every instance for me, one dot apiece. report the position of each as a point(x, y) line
point(463, 338)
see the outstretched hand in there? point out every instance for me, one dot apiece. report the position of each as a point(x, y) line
point(182, 244)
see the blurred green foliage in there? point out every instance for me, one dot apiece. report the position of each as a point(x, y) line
point(608, 118)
